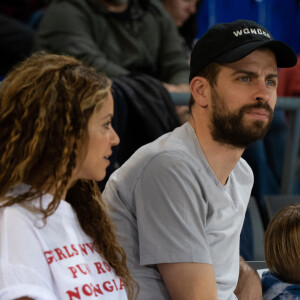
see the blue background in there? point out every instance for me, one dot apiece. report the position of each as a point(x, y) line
point(280, 17)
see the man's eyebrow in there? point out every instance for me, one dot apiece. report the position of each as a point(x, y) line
point(252, 74)
point(272, 75)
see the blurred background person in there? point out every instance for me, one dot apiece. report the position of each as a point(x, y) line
point(184, 15)
point(117, 37)
point(16, 43)
point(180, 10)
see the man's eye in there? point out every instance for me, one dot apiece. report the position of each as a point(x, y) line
point(271, 82)
point(245, 78)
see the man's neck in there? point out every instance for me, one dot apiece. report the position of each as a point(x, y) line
point(221, 158)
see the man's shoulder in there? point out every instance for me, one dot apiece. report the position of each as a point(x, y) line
point(171, 148)
point(243, 166)
point(160, 152)
point(243, 174)
point(177, 143)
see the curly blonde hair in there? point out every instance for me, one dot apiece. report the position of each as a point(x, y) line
point(45, 105)
point(282, 244)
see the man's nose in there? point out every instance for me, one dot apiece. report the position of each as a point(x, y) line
point(262, 92)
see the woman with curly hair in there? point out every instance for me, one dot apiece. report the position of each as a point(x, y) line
point(56, 239)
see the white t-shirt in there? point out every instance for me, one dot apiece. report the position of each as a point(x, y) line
point(57, 261)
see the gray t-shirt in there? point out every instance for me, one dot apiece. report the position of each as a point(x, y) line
point(169, 207)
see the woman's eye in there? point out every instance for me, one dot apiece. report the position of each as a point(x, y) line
point(107, 125)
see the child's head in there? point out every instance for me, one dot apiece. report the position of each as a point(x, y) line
point(282, 244)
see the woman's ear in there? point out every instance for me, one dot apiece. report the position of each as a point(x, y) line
point(200, 90)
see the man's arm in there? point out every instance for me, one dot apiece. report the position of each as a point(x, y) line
point(189, 281)
point(249, 284)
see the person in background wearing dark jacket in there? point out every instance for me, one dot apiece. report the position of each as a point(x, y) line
point(183, 13)
point(16, 42)
point(22, 10)
point(180, 10)
point(117, 37)
point(17, 31)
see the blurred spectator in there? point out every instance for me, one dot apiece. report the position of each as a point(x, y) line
point(180, 10)
point(22, 10)
point(289, 83)
point(18, 19)
point(184, 16)
point(16, 42)
point(117, 37)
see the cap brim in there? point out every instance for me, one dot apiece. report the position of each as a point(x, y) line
point(285, 55)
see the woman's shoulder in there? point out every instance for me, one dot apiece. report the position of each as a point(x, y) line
point(14, 216)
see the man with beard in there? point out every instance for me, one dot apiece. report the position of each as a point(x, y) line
point(179, 202)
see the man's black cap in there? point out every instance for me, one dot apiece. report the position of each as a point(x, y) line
point(229, 42)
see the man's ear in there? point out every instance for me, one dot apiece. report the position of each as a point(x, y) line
point(200, 90)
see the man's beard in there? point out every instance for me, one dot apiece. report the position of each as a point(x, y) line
point(229, 127)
